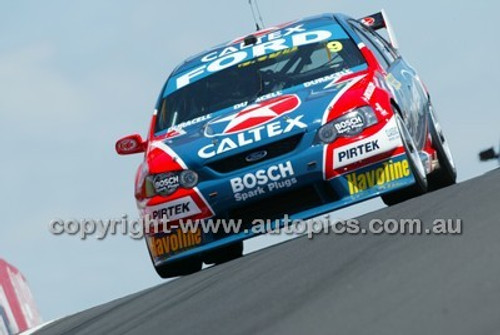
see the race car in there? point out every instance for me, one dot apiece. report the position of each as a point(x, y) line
point(299, 119)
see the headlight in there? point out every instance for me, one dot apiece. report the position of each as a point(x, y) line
point(327, 133)
point(167, 183)
point(348, 125)
point(188, 179)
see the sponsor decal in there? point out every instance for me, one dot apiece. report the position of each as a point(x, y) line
point(253, 116)
point(368, 21)
point(263, 181)
point(127, 145)
point(381, 110)
point(392, 134)
point(269, 56)
point(174, 132)
point(351, 125)
point(178, 130)
point(166, 183)
point(174, 210)
point(331, 79)
point(389, 172)
point(176, 242)
point(269, 96)
point(393, 81)
point(369, 92)
point(276, 41)
point(358, 151)
point(385, 140)
point(259, 99)
point(252, 124)
point(194, 121)
point(252, 136)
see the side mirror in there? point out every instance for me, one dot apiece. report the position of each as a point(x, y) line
point(487, 155)
point(129, 145)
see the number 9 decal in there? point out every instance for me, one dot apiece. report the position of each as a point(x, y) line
point(335, 46)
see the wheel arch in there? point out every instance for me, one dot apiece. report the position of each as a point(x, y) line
point(395, 105)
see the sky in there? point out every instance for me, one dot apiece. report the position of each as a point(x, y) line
point(77, 75)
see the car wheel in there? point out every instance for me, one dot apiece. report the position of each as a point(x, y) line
point(179, 268)
point(446, 174)
point(416, 166)
point(224, 254)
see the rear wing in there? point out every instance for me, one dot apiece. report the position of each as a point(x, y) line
point(379, 21)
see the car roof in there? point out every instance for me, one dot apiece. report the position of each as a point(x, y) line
point(194, 61)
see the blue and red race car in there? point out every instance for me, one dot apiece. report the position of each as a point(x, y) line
point(299, 119)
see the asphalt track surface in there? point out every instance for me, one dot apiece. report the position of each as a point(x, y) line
point(371, 284)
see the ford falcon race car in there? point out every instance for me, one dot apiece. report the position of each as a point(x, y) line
point(299, 119)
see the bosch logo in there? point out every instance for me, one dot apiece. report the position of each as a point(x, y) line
point(354, 124)
point(253, 116)
point(274, 178)
point(166, 183)
point(262, 177)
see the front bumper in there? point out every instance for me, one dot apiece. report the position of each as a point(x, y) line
point(304, 183)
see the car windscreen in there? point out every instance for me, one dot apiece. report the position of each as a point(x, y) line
point(249, 80)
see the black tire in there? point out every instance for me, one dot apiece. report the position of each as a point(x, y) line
point(446, 174)
point(224, 254)
point(416, 166)
point(179, 268)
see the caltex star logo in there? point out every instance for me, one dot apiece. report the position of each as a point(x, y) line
point(255, 115)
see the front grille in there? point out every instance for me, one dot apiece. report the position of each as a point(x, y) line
point(273, 150)
point(290, 203)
